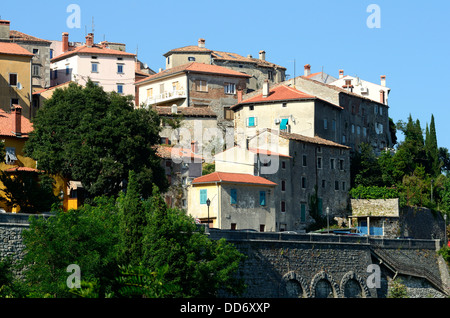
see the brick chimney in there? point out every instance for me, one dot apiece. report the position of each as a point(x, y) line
point(4, 29)
point(90, 40)
point(194, 146)
point(307, 70)
point(265, 91)
point(262, 55)
point(239, 95)
point(16, 111)
point(201, 42)
point(383, 80)
point(65, 42)
point(341, 73)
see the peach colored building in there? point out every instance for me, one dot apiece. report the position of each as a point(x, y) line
point(114, 70)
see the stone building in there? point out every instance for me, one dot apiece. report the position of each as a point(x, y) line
point(259, 69)
point(236, 201)
point(310, 173)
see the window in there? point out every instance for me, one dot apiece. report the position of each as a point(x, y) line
point(201, 86)
point(149, 92)
point(67, 70)
point(191, 58)
point(343, 139)
point(161, 88)
point(14, 101)
point(13, 79)
point(336, 185)
point(10, 155)
point(284, 105)
point(302, 212)
point(323, 183)
point(35, 70)
point(303, 182)
point(341, 164)
point(228, 114)
point(251, 121)
point(364, 131)
point(120, 88)
point(251, 107)
point(55, 76)
point(262, 198)
point(283, 185)
point(343, 185)
point(120, 68)
point(51, 53)
point(358, 130)
point(233, 196)
point(319, 163)
point(233, 226)
point(283, 164)
point(203, 196)
point(261, 227)
point(353, 129)
point(325, 123)
point(270, 75)
point(230, 88)
point(284, 124)
point(331, 163)
point(304, 161)
point(94, 67)
point(283, 206)
point(35, 51)
point(319, 149)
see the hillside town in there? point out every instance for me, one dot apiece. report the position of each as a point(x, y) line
point(242, 145)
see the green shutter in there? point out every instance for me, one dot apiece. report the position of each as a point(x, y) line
point(262, 198)
point(233, 196)
point(203, 196)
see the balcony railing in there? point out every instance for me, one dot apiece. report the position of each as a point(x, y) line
point(165, 97)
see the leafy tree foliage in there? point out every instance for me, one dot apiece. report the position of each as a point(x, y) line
point(89, 135)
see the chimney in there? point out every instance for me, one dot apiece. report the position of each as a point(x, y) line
point(239, 95)
point(383, 80)
point(90, 40)
point(307, 70)
point(65, 42)
point(201, 42)
point(4, 29)
point(262, 55)
point(382, 96)
point(266, 88)
point(17, 119)
point(194, 146)
point(341, 73)
point(249, 56)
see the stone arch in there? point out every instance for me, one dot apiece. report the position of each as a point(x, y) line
point(349, 278)
point(323, 282)
point(294, 286)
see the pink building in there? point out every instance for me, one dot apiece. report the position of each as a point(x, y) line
point(114, 70)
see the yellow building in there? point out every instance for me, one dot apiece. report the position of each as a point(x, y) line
point(14, 132)
point(15, 77)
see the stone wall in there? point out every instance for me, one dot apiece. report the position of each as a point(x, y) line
point(375, 207)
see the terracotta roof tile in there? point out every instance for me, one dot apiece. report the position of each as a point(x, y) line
point(13, 49)
point(98, 50)
point(232, 178)
point(228, 56)
point(193, 67)
point(279, 93)
point(170, 152)
point(25, 169)
point(188, 49)
point(20, 36)
point(6, 125)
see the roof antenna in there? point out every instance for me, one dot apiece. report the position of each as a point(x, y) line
point(93, 24)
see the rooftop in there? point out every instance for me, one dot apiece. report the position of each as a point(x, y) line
point(94, 49)
point(232, 178)
point(171, 152)
point(7, 121)
point(196, 68)
point(14, 49)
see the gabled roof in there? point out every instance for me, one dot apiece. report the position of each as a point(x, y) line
point(7, 124)
point(279, 93)
point(297, 137)
point(22, 37)
point(14, 49)
point(229, 56)
point(196, 68)
point(95, 49)
point(188, 49)
point(229, 177)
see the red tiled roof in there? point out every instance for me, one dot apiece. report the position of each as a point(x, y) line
point(232, 178)
point(14, 49)
point(196, 68)
point(189, 49)
point(228, 56)
point(169, 152)
point(50, 88)
point(20, 36)
point(24, 169)
point(279, 93)
point(6, 125)
point(98, 50)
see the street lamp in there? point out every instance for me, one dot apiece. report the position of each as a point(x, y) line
point(328, 223)
point(208, 203)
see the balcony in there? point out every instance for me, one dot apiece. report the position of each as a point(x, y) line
point(165, 97)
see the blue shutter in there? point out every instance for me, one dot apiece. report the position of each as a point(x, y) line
point(251, 121)
point(283, 124)
point(233, 196)
point(203, 196)
point(262, 197)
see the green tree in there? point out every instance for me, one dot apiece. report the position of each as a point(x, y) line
point(86, 237)
point(31, 191)
point(365, 169)
point(199, 266)
point(431, 149)
point(89, 135)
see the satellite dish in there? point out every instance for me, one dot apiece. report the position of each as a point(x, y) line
point(19, 86)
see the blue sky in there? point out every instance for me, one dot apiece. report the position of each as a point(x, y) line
point(411, 47)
